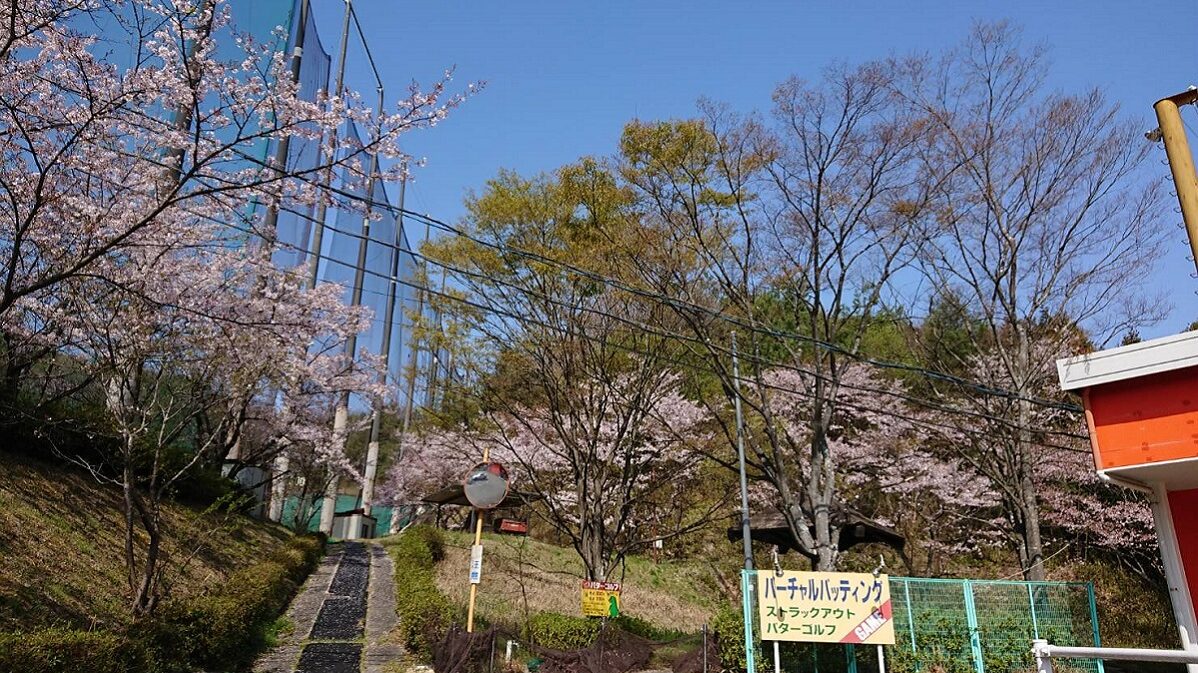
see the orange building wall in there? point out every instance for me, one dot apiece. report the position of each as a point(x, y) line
point(1145, 420)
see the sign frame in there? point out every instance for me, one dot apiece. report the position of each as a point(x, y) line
point(825, 607)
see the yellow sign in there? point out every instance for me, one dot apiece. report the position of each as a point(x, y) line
point(600, 599)
point(825, 607)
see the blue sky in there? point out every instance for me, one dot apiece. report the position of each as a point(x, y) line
point(562, 78)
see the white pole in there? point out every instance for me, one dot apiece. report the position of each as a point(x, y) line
point(777, 659)
point(881, 660)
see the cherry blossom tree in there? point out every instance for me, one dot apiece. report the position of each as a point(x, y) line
point(1042, 214)
point(612, 469)
point(101, 159)
point(883, 457)
point(798, 225)
point(137, 232)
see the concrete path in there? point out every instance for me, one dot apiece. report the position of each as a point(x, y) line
point(344, 617)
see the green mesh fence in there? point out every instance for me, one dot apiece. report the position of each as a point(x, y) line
point(968, 626)
point(961, 626)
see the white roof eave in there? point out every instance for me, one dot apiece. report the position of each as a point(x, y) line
point(1128, 362)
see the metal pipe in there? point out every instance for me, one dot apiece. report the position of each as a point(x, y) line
point(1042, 650)
point(341, 416)
point(322, 208)
point(376, 414)
point(1181, 161)
point(747, 586)
point(271, 223)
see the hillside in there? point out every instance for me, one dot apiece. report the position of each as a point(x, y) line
point(523, 576)
point(62, 544)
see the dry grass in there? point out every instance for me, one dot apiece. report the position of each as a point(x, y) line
point(61, 548)
point(523, 576)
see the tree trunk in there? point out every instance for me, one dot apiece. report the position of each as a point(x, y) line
point(1033, 556)
point(130, 532)
point(1033, 548)
point(592, 548)
point(822, 491)
point(147, 595)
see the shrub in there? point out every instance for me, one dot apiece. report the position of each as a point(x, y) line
point(65, 651)
point(229, 626)
point(224, 628)
point(562, 632)
point(645, 629)
point(424, 612)
point(728, 628)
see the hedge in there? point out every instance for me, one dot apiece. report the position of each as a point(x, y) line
point(565, 632)
point(228, 627)
point(64, 650)
point(562, 632)
point(424, 612)
point(225, 628)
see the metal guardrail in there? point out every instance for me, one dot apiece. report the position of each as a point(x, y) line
point(1045, 653)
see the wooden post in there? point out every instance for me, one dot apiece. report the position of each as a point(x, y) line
point(1181, 161)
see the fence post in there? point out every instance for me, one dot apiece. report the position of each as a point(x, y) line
point(971, 620)
point(1031, 602)
point(911, 617)
point(1101, 666)
point(1043, 663)
point(747, 590)
point(704, 647)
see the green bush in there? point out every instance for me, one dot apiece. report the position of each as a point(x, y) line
point(562, 632)
point(640, 627)
point(64, 651)
point(229, 626)
point(424, 612)
point(223, 629)
point(728, 629)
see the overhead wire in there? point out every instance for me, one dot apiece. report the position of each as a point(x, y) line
point(723, 350)
point(675, 302)
point(733, 320)
point(665, 358)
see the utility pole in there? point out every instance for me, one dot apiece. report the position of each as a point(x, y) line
point(746, 582)
point(409, 400)
point(278, 486)
point(376, 414)
point(1181, 161)
point(282, 462)
point(322, 208)
point(341, 415)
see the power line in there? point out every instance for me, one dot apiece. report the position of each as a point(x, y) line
point(738, 322)
point(668, 334)
point(675, 361)
point(676, 303)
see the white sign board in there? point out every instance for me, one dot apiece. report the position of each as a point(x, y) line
point(476, 564)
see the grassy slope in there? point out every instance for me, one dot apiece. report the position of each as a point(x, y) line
point(61, 548)
point(517, 570)
point(681, 595)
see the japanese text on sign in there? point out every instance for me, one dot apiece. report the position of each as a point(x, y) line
point(825, 607)
point(600, 599)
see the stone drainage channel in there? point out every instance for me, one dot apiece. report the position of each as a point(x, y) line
point(343, 617)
